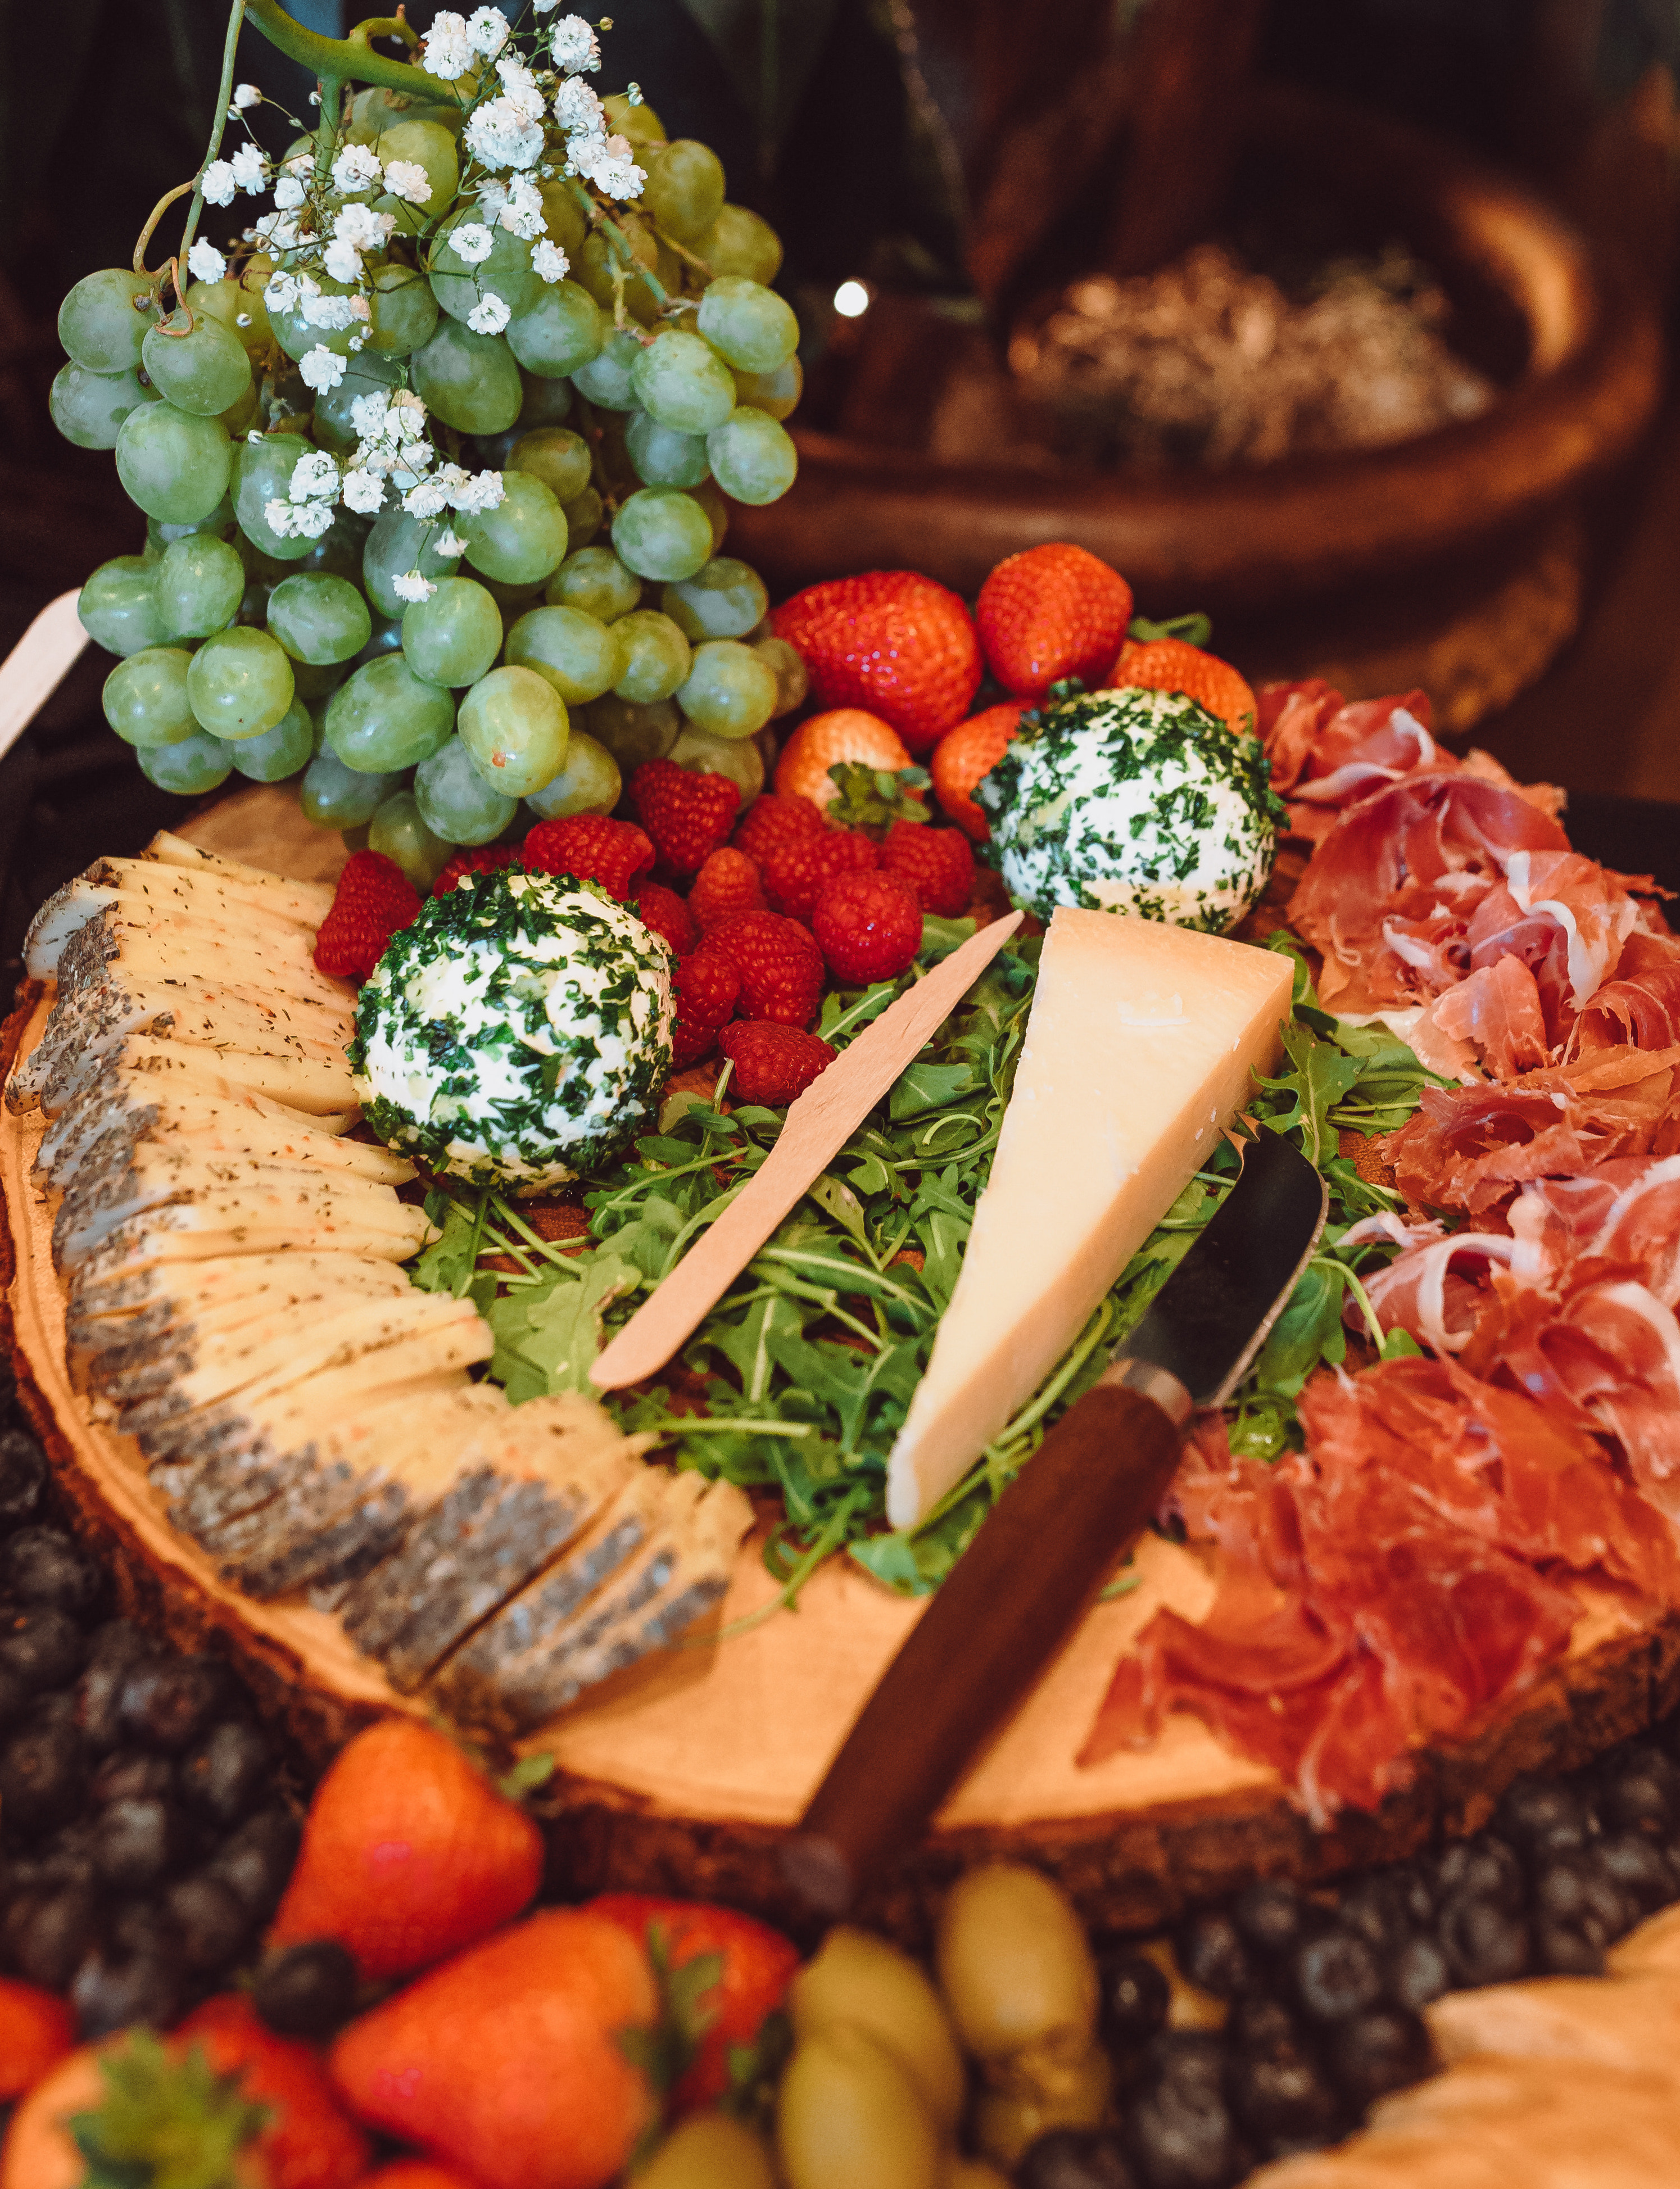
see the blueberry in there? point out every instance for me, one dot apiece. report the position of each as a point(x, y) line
point(256, 1861)
point(1372, 2054)
point(1186, 2060)
point(1178, 2132)
point(112, 1650)
point(41, 1778)
point(1639, 1791)
point(1075, 2159)
point(1544, 1816)
point(67, 1856)
point(1283, 2098)
point(1418, 1973)
point(1274, 1918)
point(1378, 1908)
point(136, 1840)
point(110, 1992)
point(169, 1703)
point(210, 1922)
point(1484, 1941)
point(47, 1934)
point(226, 1775)
point(1485, 1866)
point(1212, 1955)
point(1134, 1998)
point(1336, 1976)
point(1639, 1869)
point(1257, 2024)
point(1575, 1891)
point(138, 1925)
point(13, 1697)
point(126, 1775)
point(23, 1475)
point(306, 1990)
point(41, 1646)
point(43, 1565)
point(1561, 1951)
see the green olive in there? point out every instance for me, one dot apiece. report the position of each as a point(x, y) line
point(709, 2150)
point(1006, 2122)
point(1017, 1975)
point(862, 1981)
point(739, 758)
point(847, 2117)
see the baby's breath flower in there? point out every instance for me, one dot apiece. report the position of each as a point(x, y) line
point(246, 95)
point(608, 163)
point(410, 586)
point(312, 476)
point(577, 108)
point(250, 170)
point(218, 183)
point(342, 261)
point(288, 193)
point(356, 168)
point(279, 516)
point(333, 312)
point(515, 205)
point(206, 262)
point(487, 30)
point(279, 291)
point(549, 262)
point(450, 543)
point(431, 498)
point(574, 45)
point(321, 368)
point(363, 491)
point(446, 49)
point(471, 497)
point(502, 134)
point(408, 180)
point(490, 315)
point(312, 519)
point(472, 241)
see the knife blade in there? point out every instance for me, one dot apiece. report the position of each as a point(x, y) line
point(818, 1125)
point(1031, 1573)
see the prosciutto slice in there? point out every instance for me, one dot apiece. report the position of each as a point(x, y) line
point(1642, 1003)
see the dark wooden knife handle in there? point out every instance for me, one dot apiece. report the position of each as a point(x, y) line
point(1008, 1605)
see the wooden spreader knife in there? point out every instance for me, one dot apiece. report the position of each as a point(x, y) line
point(1028, 1577)
point(818, 1126)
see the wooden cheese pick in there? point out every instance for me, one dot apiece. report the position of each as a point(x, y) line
point(818, 1125)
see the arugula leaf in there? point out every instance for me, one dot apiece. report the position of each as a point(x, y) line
point(548, 1333)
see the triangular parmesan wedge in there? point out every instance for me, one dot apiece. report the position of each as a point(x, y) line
point(1138, 1049)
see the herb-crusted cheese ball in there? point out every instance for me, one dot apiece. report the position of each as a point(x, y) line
point(518, 1033)
point(1135, 801)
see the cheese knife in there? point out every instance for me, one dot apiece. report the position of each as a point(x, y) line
point(1033, 1570)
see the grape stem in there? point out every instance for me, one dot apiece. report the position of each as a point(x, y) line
point(339, 59)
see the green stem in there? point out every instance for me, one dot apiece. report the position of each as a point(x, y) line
point(332, 89)
point(224, 91)
point(342, 60)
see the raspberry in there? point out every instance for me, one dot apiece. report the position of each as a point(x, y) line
point(773, 1063)
point(781, 967)
point(592, 847)
point(729, 882)
point(869, 927)
point(936, 863)
point(686, 814)
point(794, 872)
point(375, 897)
point(485, 859)
point(691, 1043)
point(664, 911)
point(772, 818)
point(706, 988)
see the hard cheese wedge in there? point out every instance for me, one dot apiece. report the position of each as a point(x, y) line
point(1138, 1049)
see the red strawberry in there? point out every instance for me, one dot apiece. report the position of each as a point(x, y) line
point(36, 2031)
point(769, 818)
point(483, 859)
point(937, 863)
point(794, 872)
point(592, 847)
point(1051, 611)
point(374, 898)
point(414, 2174)
point(307, 2142)
point(729, 882)
point(773, 1063)
point(512, 2061)
point(869, 927)
point(758, 1963)
point(408, 1854)
point(893, 642)
point(687, 813)
point(965, 753)
point(781, 967)
point(664, 911)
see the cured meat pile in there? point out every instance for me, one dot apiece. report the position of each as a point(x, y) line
point(1389, 1587)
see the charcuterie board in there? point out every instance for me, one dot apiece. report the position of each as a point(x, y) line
point(684, 1775)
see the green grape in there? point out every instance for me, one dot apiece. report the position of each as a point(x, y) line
point(546, 402)
point(297, 335)
point(776, 393)
point(681, 382)
point(334, 797)
point(605, 379)
point(715, 504)
point(633, 118)
point(398, 832)
point(461, 284)
point(599, 258)
point(752, 458)
point(176, 466)
point(453, 638)
point(580, 657)
point(200, 582)
point(512, 599)
point(404, 312)
point(723, 600)
point(239, 413)
point(514, 726)
point(145, 697)
point(221, 522)
point(662, 458)
point(262, 473)
point(786, 664)
point(470, 381)
point(102, 321)
point(567, 224)
point(385, 637)
point(740, 244)
point(455, 802)
point(376, 111)
point(196, 765)
point(583, 519)
point(314, 679)
point(88, 408)
point(749, 324)
point(661, 532)
point(240, 683)
point(559, 458)
point(595, 581)
point(338, 552)
point(386, 717)
point(279, 752)
point(320, 619)
point(237, 302)
point(203, 369)
point(118, 606)
point(393, 549)
point(632, 734)
point(684, 189)
point(426, 144)
point(729, 690)
point(560, 331)
point(365, 373)
point(657, 657)
point(739, 758)
point(520, 541)
point(589, 781)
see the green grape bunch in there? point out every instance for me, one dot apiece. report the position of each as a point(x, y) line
point(437, 458)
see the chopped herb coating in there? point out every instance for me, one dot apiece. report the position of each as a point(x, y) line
point(1135, 801)
point(518, 1033)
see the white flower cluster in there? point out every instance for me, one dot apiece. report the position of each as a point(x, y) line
point(605, 160)
point(515, 205)
point(312, 495)
point(507, 131)
point(204, 262)
point(575, 45)
point(454, 42)
point(245, 171)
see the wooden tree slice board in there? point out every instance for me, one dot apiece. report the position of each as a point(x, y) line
point(685, 1775)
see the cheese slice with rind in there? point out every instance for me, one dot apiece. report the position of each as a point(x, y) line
point(1139, 1048)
